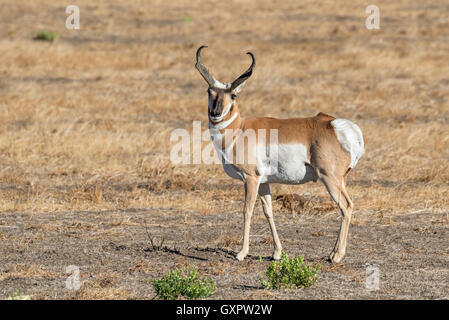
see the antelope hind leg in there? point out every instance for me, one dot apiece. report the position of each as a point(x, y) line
point(337, 191)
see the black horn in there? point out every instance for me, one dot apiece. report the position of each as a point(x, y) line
point(246, 74)
point(202, 69)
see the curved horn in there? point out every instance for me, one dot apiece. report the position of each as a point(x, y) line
point(202, 69)
point(246, 74)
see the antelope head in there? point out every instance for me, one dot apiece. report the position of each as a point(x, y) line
point(222, 96)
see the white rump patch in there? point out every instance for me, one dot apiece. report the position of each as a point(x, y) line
point(351, 138)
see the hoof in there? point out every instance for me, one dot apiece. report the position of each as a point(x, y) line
point(277, 255)
point(336, 257)
point(241, 255)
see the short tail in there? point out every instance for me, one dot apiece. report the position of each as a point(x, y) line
point(350, 137)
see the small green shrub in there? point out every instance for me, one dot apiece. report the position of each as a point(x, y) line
point(16, 296)
point(47, 36)
point(290, 273)
point(182, 282)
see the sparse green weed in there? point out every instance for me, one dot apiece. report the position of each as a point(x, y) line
point(47, 36)
point(290, 273)
point(16, 296)
point(183, 282)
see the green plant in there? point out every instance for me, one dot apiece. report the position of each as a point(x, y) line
point(290, 273)
point(16, 296)
point(47, 36)
point(187, 19)
point(183, 282)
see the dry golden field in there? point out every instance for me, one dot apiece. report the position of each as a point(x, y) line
point(85, 123)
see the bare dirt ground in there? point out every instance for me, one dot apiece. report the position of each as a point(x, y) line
point(117, 251)
point(85, 123)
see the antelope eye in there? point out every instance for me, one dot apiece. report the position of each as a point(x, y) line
point(233, 96)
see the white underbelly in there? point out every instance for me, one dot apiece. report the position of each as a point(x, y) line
point(287, 164)
point(278, 163)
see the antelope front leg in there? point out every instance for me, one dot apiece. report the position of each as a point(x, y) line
point(251, 188)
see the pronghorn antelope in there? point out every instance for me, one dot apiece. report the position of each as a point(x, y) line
point(307, 149)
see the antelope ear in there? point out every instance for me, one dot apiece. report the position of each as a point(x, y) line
point(239, 88)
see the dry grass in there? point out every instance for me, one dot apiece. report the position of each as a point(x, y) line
point(86, 121)
point(26, 271)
